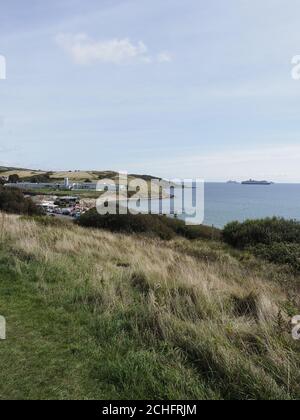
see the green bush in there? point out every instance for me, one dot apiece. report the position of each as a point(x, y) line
point(164, 227)
point(193, 232)
point(280, 253)
point(264, 231)
point(13, 179)
point(275, 240)
point(140, 223)
point(39, 178)
point(13, 201)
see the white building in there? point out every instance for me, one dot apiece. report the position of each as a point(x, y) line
point(34, 186)
point(66, 185)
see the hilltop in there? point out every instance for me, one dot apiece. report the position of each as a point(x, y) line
point(76, 176)
point(99, 315)
point(42, 177)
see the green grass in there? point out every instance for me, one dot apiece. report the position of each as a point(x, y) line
point(96, 315)
point(62, 350)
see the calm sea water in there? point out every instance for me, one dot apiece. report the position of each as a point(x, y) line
point(227, 202)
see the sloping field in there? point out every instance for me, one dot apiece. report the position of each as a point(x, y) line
point(72, 175)
point(75, 176)
point(93, 315)
point(22, 173)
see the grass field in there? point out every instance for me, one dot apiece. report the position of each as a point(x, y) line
point(59, 175)
point(95, 315)
point(75, 176)
point(22, 173)
point(82, 176)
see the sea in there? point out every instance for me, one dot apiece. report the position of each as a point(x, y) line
point(224, 203)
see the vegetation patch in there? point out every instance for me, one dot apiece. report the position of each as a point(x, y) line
point(48, 221)
point(171, 325)
point(264, 231)
point(140, 282)
point(245, 306)
point(13, 201)
point(275, 240)
point(165, 228)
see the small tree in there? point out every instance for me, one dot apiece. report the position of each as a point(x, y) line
point(13, 179)
point(13, 201)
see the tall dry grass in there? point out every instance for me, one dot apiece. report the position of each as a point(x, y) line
point(223, 319)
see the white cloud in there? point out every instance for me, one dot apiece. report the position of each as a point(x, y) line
point(164, 57)
point(85, 50)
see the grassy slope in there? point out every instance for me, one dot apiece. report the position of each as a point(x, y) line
point(74, 176)
point(82, 176)
point(60, 175)
point(96, 315)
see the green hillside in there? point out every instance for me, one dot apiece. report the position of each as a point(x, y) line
point(99, 315)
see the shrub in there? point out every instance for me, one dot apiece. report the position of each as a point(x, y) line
point(280, 253)
point(264, 231)
point(193, 232)
point(140, 223)
point(275, 240)
point(13, 201)
point(164, 227)
point(39, 178)
point(13, 179)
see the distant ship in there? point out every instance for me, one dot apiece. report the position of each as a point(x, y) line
point(253, 182)
point(232, 182)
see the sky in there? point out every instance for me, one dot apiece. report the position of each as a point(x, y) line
point(189, 89)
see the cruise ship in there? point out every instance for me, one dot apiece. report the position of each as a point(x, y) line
point(253, 182)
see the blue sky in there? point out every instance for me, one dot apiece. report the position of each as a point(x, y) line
point(173, 88)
